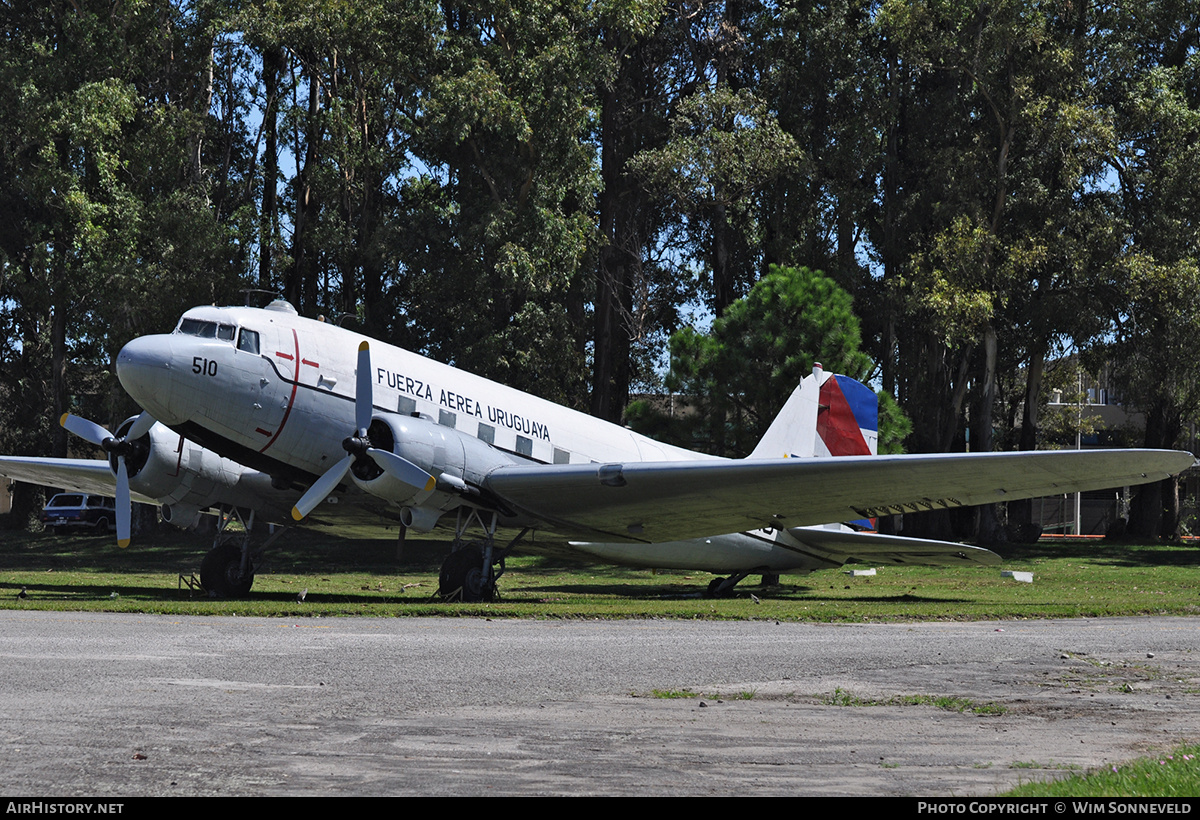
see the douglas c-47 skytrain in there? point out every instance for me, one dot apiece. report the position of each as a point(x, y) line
point(263, 414)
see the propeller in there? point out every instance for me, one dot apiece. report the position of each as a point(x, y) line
point(359, 446)
point(120, 447)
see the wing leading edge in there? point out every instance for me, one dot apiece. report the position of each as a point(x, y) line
point(78, 474)
point(667, 501)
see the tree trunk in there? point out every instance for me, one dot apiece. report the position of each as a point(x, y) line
point(269, 218)
point(1154, 510)
point(1020, 513)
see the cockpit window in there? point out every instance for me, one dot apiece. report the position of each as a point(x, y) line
point(207, 330)
point(195, 327)
point(248, 341)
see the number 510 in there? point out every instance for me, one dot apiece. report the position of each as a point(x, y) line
point(208, 367)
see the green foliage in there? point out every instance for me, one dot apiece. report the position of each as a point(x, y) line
point(842, 697)
point(724, 146)
point(742, 372)
point(493, 278)
point(1168, 774)
point(539, 192)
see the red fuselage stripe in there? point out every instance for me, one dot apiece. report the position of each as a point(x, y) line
point(292, 398)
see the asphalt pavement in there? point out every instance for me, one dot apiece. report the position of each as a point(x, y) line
point(111, 705)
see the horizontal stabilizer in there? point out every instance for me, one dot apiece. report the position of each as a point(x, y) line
point(843, 547)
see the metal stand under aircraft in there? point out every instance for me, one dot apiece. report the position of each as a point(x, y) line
point(470, 572)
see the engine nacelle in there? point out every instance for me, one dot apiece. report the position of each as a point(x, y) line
point(456, 460)
point(420, 519)
point(183, 516)
point(179, 474)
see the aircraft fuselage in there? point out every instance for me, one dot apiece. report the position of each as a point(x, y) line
point(275, 391)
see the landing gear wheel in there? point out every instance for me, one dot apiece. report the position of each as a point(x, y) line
point(221, 572)
point(714, 588)
point(462, 577)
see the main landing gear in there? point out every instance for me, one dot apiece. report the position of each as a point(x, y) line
point(227, 570)
point(470, 572)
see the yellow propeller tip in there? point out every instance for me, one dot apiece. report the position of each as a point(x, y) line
point(430, 484)
point(62, 421)
point(296, 514)
point(363, 346)
point(122, 542)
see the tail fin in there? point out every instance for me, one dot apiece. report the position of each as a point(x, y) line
point(826, 415)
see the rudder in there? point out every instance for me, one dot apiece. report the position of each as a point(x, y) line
point(827, 415)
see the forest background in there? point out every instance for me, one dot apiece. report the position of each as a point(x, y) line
point(546, 193)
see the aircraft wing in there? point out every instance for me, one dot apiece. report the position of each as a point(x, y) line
point(667, 501)
point(78, 474)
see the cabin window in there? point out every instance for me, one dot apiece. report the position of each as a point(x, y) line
point(248, 341)
point(406, 406)
point(226, 332)
point(561, 456)
point(487, 433)
point(525, 446)
point(447, 419)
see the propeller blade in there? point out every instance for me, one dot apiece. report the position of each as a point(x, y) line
point(402, 470)
point(140, 427)
point(97, 435)
point(321, 488)
point(124, 506)
point(363, 392)
point(88, 430)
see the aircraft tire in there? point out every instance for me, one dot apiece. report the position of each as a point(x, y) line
point(221, 572)
point(462, 578)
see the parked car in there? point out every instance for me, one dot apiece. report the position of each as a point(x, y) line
point(72, 511)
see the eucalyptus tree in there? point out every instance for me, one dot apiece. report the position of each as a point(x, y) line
point(635, 296)
point(1003, 139)
point(107, 205)
point(496, 223)
point(1148, 71)
point(991, 238)
point(724, 147)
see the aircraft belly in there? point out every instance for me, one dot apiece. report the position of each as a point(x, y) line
point(720, 553)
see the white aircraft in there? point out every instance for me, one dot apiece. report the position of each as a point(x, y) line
point(261, 411)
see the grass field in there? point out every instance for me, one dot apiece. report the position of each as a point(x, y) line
point(361, 574)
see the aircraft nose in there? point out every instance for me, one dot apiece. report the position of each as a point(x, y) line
point(144, 370)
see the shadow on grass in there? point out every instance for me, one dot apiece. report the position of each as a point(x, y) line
point(153, 592)
point(312, 552)
point(180, 552)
